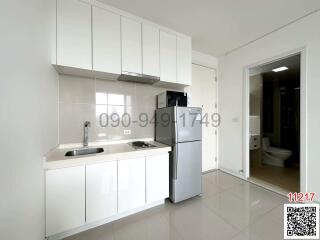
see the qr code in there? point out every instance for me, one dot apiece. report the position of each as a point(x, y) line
point(301, 221)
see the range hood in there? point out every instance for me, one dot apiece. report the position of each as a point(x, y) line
point(137, 77)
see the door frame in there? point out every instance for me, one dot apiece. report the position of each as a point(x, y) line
point(303, 113)
point(216, 111)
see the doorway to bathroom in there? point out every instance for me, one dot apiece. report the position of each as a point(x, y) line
point(274, 124)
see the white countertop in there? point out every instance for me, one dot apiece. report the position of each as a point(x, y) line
point(57, 159)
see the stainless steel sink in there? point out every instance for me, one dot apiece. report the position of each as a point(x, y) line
point(84, 151)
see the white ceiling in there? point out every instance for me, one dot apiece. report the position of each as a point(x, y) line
point(219, 26)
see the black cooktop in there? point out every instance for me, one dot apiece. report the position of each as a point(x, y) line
point(141, 144)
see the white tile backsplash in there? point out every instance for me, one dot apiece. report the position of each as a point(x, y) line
point(85, 99)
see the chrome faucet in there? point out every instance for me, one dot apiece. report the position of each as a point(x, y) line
point(86, 133)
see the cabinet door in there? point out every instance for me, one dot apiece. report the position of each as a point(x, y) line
point(101, 191)
point(157, 177)
point(65, 199)
point(131, 45)
point(74, 34)
point(131, 184)
point(168, 57)
point(150, 50)
point(184, 61)
point(106, 43)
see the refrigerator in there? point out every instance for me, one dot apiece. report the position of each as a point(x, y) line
point(180, 127)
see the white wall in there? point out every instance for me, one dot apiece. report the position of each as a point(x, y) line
point(204, 59)
point(28, 115)
point(304, 33)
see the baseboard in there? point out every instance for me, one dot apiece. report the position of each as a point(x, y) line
point(210, 171)
point(88, 226)
point(232, 173)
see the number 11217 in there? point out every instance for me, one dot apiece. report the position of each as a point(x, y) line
point(301, 197)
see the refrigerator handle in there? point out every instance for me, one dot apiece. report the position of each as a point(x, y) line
point(176, 144)
point(176, 162)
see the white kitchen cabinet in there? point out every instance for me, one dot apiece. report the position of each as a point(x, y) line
point(131, 184)
point(168, 57)
point(150, 50)
point(131, 45)
point(65, 199)
point(74, 34)
point(106, 42)
point(101, 191)
point(184, 61)
point(157, 177)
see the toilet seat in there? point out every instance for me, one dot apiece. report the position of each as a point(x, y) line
point(276, 150)
point(273, 155)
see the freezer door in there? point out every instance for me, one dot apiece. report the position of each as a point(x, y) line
point(188, 124)
point(186, 171)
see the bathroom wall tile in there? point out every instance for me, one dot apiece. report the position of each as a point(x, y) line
point(76, 89)
point(71, 120)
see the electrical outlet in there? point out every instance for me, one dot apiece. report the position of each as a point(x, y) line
point(127, 132)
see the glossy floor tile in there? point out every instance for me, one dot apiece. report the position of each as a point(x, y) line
point(283, 177)
point(229, 208)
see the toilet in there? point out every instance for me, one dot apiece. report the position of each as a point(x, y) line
point(274, 156)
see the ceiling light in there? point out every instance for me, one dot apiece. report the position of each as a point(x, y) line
point(279, 69)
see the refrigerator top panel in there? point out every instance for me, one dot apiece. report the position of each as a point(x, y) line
point(178, 124)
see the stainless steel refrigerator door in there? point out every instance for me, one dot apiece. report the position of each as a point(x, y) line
point(188, 124)
point(186, 171)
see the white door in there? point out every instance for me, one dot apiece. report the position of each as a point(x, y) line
point(65, 199)
point(131, 184)
point(74, 34)
point(150, 50)
point(131, 45)
point(101, 191)
point(106, 42)
point(184, 61)
point(203, 94)
point(168, 57)
point(157, 177)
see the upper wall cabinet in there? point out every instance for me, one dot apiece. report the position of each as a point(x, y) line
point(131, 46)
point(168, 57)
point(150, 50)
point(106, 42)
point(74, 34)
point(94, 40)
point(184, 59)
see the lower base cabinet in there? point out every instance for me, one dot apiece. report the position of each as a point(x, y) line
point(65, 199)
point(131, 184)
point(76, 196)
point(101, 191)
point(157, 177)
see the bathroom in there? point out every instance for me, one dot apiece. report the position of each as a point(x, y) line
point(275, 124)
